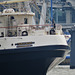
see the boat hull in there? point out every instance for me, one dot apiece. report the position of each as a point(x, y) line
point(32, 60)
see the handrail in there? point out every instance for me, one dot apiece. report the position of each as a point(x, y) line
point(23, 26)
point(28, 26)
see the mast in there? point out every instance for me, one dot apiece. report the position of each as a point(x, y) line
point(51, 12)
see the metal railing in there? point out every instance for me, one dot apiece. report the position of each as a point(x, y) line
point(28, 29)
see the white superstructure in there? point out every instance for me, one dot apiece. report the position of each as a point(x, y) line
point(17, 27)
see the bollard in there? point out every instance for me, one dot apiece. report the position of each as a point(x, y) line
point(72, 53)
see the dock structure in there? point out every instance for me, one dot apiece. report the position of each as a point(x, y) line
point(72, 54)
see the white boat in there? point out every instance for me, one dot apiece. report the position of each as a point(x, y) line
point(26, 48)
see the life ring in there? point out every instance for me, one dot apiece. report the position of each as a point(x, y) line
point(24, 33)
point(10, 34)
point(52, 31)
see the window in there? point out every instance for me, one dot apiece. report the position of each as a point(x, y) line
point(25, 20)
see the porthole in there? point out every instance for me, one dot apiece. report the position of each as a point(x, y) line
point(12, 44)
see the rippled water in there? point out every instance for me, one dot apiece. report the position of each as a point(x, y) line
point(62, 70)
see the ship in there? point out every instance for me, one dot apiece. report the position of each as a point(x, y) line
point(26, 48)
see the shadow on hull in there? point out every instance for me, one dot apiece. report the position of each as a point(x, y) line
point(31, 61)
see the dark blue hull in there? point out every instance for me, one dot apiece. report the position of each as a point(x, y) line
point(30, 61)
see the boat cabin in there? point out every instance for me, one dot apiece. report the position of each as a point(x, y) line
point(20, 24)
point(13, 23)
